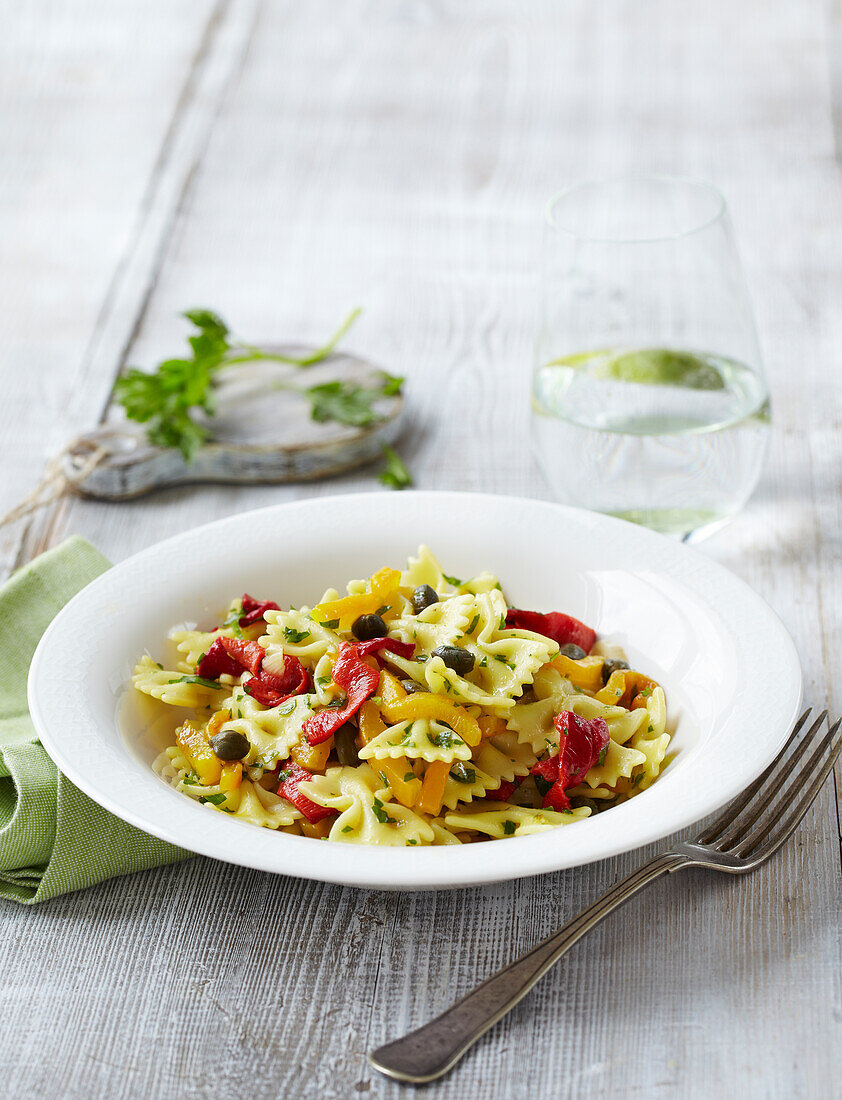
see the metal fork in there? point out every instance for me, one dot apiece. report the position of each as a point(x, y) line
point(746, 834)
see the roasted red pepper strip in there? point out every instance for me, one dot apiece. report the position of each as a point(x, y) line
point(582, 740)
point(269, 688)
point(357, 680)
point(272, 688)
point(249, 654)
point(254, 610)
point(291, 774)
point(561, 628)
point(227, 655)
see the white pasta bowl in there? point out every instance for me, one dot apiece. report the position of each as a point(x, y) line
point(730, 670)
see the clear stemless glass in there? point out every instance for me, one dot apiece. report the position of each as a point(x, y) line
point(649, 400)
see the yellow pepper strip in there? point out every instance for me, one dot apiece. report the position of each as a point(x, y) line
point(625, 685)
point(216, 722)
point(585, 673)
point(404, 785)
point(432, 790)
point(311, 757)
point(232, 776)
point(489, 726)
point(397, 706)
point(193, 743)
point(382, 590)
point(370, 721)
point(319, 830)
point(395, 772)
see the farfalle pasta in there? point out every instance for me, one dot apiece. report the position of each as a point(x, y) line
point(418, 709)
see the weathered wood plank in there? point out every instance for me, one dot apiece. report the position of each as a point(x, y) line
point(397, 157)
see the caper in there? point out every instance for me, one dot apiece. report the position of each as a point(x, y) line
point(412, 686)
point(613, 664)
point(230, 745)
point(344, 742)
point(367, 627)
point(424, 596)
point(460, 660)
point(574, 652)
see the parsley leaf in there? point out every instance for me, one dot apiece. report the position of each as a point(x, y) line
point(214, 799)
point(391, 383)
point(453, 580)
point(509, 828)
point(198, 680)
point(601, 758)
point(395, 473)
point(473, 624)
point(346, 402)
point(462, 773)
point(295, 637)
point(380, 813)
point(443, 739)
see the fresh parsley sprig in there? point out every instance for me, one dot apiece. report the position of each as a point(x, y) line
point(167, 399)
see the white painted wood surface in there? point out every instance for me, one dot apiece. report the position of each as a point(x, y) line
point(282, 163)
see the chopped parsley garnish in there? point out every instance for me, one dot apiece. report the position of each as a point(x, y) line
point(347, 828)
point(453, 580)
point(409, 777)
point(197, 680)
point(503, 621)
point(473, 624)
point(601, 758)
point(444, 738)
point(412, 840)
point(383, 609)
point(462, 773)
point(323, 681)
point(484, 663)
point(161, 667)
point(380, 813)
point(233, 621)
point(214, 799)
point(509, 828)
point(543, 785)
point(331, 624)
point(295, 637)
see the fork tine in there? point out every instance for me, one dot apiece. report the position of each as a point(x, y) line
point(766, 838)
point(734, 808)
point(786, 768)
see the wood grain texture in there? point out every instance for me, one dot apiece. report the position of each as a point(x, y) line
point(283, 163)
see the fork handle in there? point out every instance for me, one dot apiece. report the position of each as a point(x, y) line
point(433, 1049)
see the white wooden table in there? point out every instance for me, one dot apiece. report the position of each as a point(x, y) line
point(282, 163)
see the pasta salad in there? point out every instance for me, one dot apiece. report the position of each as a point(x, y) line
point(416, 709)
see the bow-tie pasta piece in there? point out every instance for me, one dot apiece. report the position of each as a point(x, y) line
point(364, 815)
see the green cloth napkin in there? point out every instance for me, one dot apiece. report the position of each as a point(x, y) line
point(53, 839)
